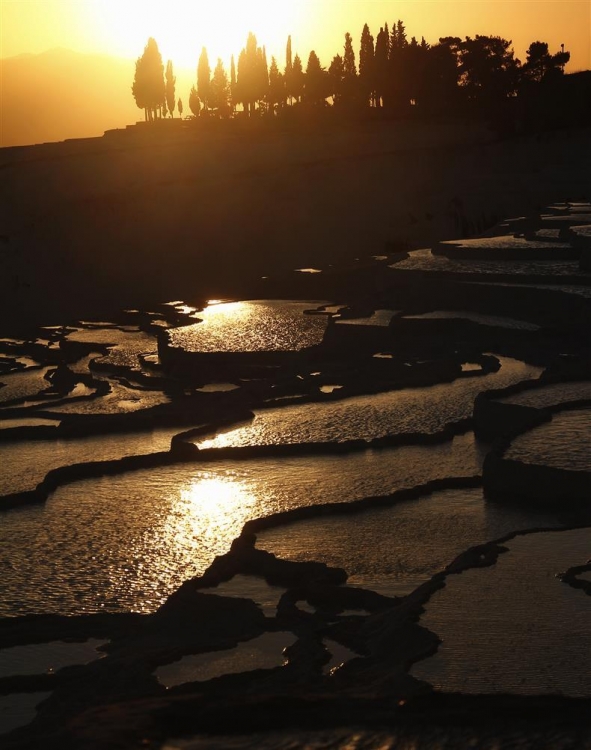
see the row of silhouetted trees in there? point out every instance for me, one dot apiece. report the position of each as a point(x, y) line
point(391, 73)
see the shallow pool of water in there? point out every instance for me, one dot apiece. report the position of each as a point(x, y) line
point(25, 463)
point(424, 260)
point(19, 709)
point(393, 550)
point(487, 320)
point(550, 395)
point(564, 443)
point(264, 652)
point(251, 587)
point(9, 424)
point(378, 318)
point(42, 658)
point(21, 385)
point(514, 627)
point(503, 242)
point(260, 325)
point(126, 542)
point(426, 409)
point(121, 399)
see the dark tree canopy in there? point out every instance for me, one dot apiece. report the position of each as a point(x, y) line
point(489, 71)
point(540, 64)
point(148, 85)
point(401, 77)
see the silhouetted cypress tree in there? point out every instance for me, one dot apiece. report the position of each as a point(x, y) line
point(252, 80)
point(170, 88)
point(316, 88)
point(366, 66)
point(288, 75)
point(148, 84)
point(219, 90)
point(203, 78)
point(194, 102)
point(232, 84)
point(263, 77)
point(180, 108)
point(276, 93)
point(336, 74)
point(349, 88)
point(398, 98)
point(297, 84)
point(381, 65)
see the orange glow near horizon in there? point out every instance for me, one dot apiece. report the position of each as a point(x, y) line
point(182, 28)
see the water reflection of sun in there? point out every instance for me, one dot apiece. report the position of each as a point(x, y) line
point(210, 513)
point(206, 516)
point(197, 520)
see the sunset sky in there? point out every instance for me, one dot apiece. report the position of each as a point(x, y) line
point(182, 27)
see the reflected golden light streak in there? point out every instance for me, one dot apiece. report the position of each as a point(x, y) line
point(204, 518)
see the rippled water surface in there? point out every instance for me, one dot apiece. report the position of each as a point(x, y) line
point(393, 550)
point(564, 443)
point(25, 384)
point(41, 658)
point(262, 325)
point(424, 260)
point(549, 395)
point(19, 709)
point(379, 318)
point(120, 400)
point(426, 409)
point(25, 464)
point(503, 242)
point(514, 627)
point(126, 542)
point(8, 424)
point(264, 652)
point(487, 320)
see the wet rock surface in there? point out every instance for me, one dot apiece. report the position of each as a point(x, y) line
point(355, 458)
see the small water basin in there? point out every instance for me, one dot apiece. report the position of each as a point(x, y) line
point(264, 652)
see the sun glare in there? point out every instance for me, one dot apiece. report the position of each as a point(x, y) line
point(182, 28)
point(211, 512)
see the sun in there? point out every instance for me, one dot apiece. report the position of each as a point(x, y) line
point(182, 28)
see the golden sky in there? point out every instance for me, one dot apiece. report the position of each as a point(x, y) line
point(182, 27)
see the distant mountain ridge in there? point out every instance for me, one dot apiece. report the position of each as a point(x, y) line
point(62, 94)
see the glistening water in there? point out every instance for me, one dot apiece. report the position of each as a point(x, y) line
point(514, 627)
point(426, 409)
point(393, 550)
point(424, 260)
point(264, 652)
point(25, 464)
point(260, 325)
point(563, 443)
point(126, 542)
point(550, 395)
